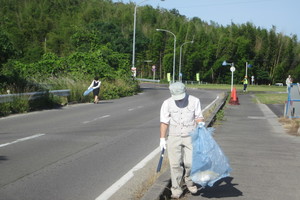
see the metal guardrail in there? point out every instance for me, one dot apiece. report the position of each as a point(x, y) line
point(148, 80)
point(195, 82)
point(32, 95)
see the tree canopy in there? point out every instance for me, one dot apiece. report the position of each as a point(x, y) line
point(80, 37)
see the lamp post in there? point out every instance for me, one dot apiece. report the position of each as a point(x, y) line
point(247, 66)
point(174, 56)
point(246, 69)
point(134, 30)
point(179, 73)
point(232, 69)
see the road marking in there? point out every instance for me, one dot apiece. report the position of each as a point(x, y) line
point(131, 109)
point(124, 179)
point(102, 117)
point(21, 140)
point(207, 107)
point(256, 117)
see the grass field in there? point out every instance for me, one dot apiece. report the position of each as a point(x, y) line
point(264, 93)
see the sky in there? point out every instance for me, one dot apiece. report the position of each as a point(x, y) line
point(283, 14)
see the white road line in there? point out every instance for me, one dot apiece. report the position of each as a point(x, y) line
point(21, 140)
point(124, 179)
point(102, 117)
point(131, 109)
point(207, 107)
point(256, 117)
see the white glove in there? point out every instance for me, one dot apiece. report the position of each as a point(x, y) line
point(163, 144)
point(201, 124)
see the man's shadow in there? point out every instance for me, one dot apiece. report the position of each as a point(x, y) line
point(221, 188)
point(3, 158)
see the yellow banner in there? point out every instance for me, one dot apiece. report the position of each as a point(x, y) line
point(198, 77)
point(169, 77)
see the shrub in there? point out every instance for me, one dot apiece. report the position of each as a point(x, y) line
point(47, 101)
point(4, 109)
point(110, 89)
point(19, 105)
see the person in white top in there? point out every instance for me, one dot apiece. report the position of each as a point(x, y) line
point(96, 89)
point(288, 82)
point(179, 116)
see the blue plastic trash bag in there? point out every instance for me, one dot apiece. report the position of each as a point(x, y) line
point(88, 91)
point(209, 164)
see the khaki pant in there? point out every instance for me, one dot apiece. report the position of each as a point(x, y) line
point(180, 150)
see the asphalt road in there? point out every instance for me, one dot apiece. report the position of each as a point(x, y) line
point(79, 151)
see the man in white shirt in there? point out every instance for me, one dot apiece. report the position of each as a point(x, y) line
point(179, 114)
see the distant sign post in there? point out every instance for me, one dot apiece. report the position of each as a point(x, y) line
point(247, 66)
point(133, 71)
point(232, 69)
point(153, 69)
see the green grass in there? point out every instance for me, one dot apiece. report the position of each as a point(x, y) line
point(264, 93)
point(251, 88)
point(272, 98)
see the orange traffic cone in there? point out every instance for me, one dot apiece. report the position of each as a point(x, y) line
point(231, 95)
point(234, 100)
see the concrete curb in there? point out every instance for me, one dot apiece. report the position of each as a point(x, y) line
point(161, 188)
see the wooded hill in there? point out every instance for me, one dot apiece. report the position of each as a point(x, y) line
point(82, 38)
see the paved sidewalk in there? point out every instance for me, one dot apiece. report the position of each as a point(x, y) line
point(265, 160)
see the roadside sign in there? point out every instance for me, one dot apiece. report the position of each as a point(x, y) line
point(153, 68)
point(133, 70)
point(169, 77)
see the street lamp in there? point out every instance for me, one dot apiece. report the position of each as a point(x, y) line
point(174, 50)
point(247, 66)
point(134, 28)
point(179, 74)
point(232, 69)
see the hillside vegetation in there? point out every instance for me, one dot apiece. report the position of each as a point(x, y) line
point(78, 39)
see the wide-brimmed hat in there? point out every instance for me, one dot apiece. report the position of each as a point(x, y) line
point(177, 90)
